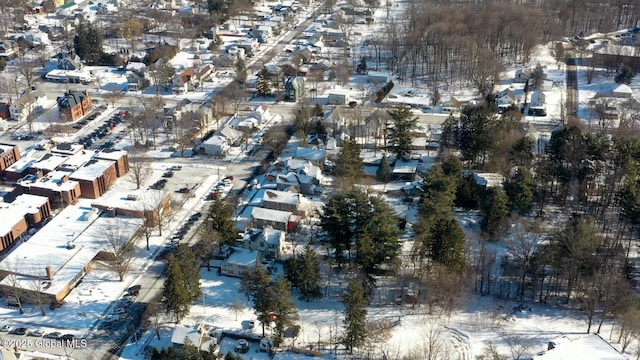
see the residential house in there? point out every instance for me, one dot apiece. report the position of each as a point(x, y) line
point(32, 102)
point(315, 156)
point(269, 242)
point(339, 97)
point(232, 135)
point(522, 75)
point(537, 104)
point(239, 262)
point(579, 346)
point(488, 180)
point(215, 145)
point(135, 82)
point(69, 62)
point(74, 105)
point(261, 112)
point(37, 38)
point(405, 169)
point(200, 337)
point(277, 219)
point(282, 200)
point(9, 154)
point(184, 81)
point(450, 105)
point(294, 88)
point(505, 99)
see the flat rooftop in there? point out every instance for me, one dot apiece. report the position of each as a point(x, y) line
point(49, 162)
point(133, 200)
point(6, 147)
point(53, 181)
point(66, 244)
point(21, 165)
point(110, 154)
point(92, 170)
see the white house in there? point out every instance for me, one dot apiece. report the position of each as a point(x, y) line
point(522, 75)
point(537, 99)
point(269, 241)
point(505, 99)
point(261, 112)
point(215, 145)
point(31, 102)
point(339, 97)
point(239, 262)
point(268, 217)
point(37, 38)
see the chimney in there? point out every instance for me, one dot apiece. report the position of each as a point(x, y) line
point(49, 273)
point(39, 174)
point(64, 179)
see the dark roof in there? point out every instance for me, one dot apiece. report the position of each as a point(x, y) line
point(71, 99)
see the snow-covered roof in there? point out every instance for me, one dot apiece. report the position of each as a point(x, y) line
point(216, 140)
point(622, 89)
point(21, 165)
point(270, 215)
point(67, 244)
point(272, 236)
point(111, 154)
point(405, 166)
point(145, 199)
point(489, 179)
point(311, 154)
point(583, 347)
point(180, 333)
point(284, 197)
point(49, 162)
point(67, 149)
point(242, 257)
point(54, 180)
point(92, 170)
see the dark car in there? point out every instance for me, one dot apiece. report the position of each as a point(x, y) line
point(77, 126)
point(134, 288)
point(183, 190)
point(168, 174)
point(20, 331)
point(53, 335)
point(68, 337)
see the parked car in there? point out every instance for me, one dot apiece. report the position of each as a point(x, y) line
point(134, 289)
point(20, 331)
point(53, 335)
point(183, 190)
point(5, 328)
point(38, 333)
point(68, 337)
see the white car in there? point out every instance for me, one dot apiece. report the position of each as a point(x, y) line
point(5, 328)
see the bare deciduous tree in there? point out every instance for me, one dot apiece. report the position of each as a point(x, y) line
point(120, 248)
point(139, 169)
point(153, 317)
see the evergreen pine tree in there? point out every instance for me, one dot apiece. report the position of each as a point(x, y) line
point(175, 290)
point(384, 171)
point(183, 281)
point(624, 76)
point(520, 190)
point(349, 164)
point(404, 123)
point(256, 285)
point(537, 77)
point(446, 244)
point(308, 274)
point(495, 211)
point(355, 316)
point(189, 351)
point(263, 87)
point(219, 219)
point(284, 308)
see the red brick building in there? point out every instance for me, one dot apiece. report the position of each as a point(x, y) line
point(9, 154)
point(25, 211)
point(74, 105)
point(95, 177)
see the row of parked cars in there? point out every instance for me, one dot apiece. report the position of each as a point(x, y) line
point(22, 331)
point(102, 130)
